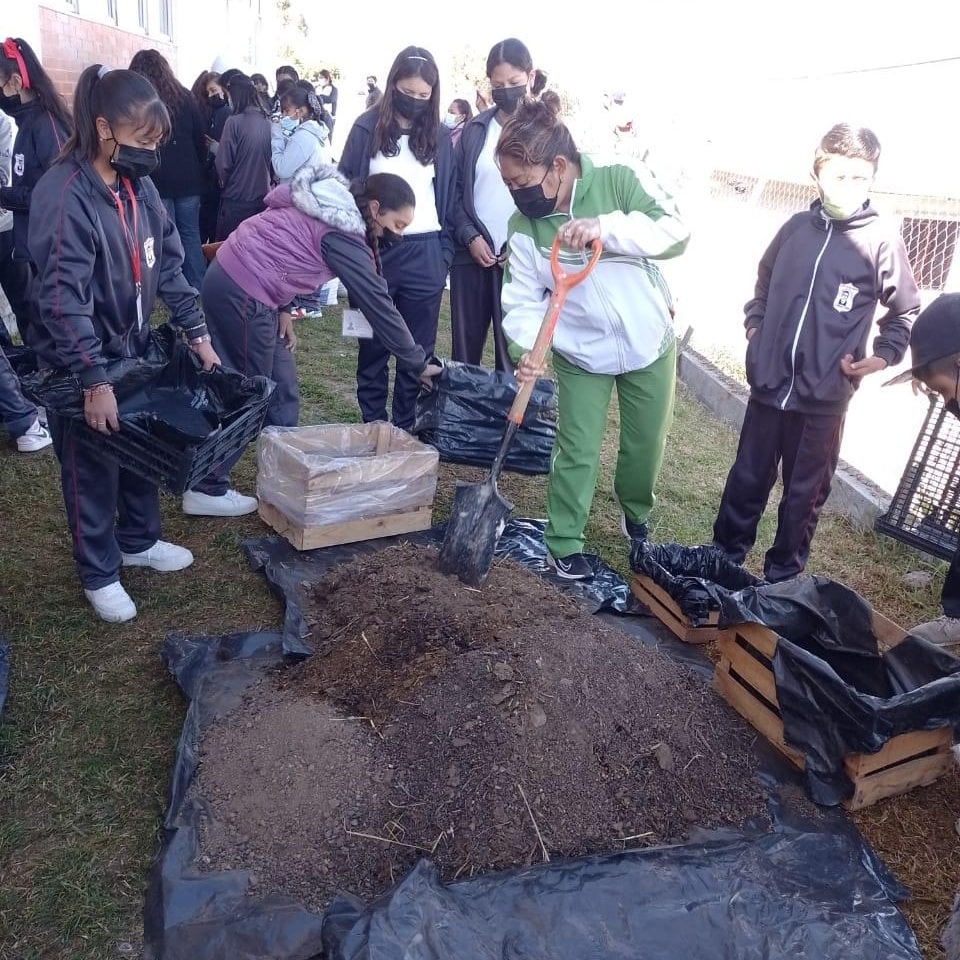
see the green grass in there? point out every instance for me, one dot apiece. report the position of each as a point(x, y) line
point(90, 730)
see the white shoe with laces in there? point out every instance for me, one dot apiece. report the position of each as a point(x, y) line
point(36, 438)
point(161, 556)
point(231, 504)
point(944, 631)
point(112, 603)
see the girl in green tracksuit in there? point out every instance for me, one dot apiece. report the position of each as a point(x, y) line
point(616, 327)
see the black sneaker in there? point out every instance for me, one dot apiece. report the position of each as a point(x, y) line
point(573, 567)
point(635, 532)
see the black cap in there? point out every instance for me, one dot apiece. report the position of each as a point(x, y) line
point(935, 334)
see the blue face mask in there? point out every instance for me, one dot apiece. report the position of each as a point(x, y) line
point(289, 124)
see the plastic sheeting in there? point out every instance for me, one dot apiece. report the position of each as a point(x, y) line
point(291, 573)
point(334, 473)
point(165, 392)
point(837, 693)
point(801, 890)
point(465, 412)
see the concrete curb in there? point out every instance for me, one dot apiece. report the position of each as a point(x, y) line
point(852, 495)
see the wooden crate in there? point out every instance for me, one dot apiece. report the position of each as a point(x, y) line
point(342, 483)
point(744, 678)
point(668, 612)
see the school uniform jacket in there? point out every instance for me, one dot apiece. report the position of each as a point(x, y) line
point(818, 286)
point(355, 165)
point(466, 223)
point(87, 293)
point(40, 138)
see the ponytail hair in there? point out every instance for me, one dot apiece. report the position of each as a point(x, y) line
point(391, 192)
point(535, 135)
point(17, 57)
point(119, 96)
point(297, 97)
point(515, 53)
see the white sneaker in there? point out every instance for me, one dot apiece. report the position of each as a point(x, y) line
point(112, 603)
point(231, 504)
point(161, 556)
point(36, 438)
point(944, 631)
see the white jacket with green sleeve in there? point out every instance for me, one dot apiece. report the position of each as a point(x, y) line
point(620, 318)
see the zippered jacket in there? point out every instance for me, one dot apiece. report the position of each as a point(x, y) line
point(87, 292)
point(307, 146)
point(620, 318)
point(40, 138)
point(818, 287)
point(466, 223)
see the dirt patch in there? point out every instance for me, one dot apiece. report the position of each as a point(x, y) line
point(483, 730)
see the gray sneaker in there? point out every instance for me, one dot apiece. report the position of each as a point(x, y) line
point(944, 631)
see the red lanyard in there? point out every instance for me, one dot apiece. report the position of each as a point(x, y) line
point(132, 240)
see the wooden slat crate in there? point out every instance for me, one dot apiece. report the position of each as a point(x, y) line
point(342, 483)
point(668, 612)
point(744, 678)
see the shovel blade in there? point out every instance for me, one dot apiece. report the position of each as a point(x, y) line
point(477, 519)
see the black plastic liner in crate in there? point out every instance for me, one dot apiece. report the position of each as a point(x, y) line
point(177, 421)
point(837, 692)
point(22, 359)
point(925, 511)
point(464, 415)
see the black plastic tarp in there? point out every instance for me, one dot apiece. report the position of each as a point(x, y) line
point(165, 392)
point(465, 412)
point(837, 692)
point(800, 890)
point(291, 573)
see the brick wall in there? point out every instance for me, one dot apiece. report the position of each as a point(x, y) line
point(70, 44)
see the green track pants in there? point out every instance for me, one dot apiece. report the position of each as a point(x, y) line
point(583, 399)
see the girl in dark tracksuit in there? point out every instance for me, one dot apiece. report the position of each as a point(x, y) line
point(402, 134)
point(482, 208)
point(106, 250)
point(28, 95)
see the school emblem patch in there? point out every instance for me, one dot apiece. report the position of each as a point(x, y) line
point(148, 253)
point(18, 166)
point(846, 293)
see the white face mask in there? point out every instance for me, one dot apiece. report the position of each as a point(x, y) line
point(451, 120)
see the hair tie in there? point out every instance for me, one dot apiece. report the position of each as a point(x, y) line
point(11, 50)
point(103, 71)
point(315, 105)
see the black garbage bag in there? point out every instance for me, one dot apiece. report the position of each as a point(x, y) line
point(465, 412)
point(695, 577)
point(22, 359)
point(804, 889)
point(166, 392)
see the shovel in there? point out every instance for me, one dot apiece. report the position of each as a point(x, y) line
point(479, 513)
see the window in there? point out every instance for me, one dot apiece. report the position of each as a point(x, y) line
point(72, 5)
point(112, 10)
point(142, 17)
point(166, 18)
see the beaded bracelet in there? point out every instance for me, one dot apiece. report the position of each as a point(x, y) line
point(97, 390)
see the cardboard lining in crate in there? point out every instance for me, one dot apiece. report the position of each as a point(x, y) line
point(668, 612)
point(744, 678)
point(342, 483)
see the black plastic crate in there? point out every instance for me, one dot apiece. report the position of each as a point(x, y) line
point(925, 510)
point(179, 468)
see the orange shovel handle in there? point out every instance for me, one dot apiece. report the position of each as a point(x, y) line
point(563, 282)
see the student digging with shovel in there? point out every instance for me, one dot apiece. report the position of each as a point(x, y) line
point(615, 330)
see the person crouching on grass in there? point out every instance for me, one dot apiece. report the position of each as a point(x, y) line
point(615, 329)
point(106, 249)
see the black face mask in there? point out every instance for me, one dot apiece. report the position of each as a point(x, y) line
point(409, 107)
point(532, 202)
point(507, 98)
point(953, 406)
point(389, 238)
point(11, 106)
point(134, 162)
point(216, 101)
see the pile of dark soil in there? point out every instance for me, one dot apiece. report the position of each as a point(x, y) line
point(482, 729)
